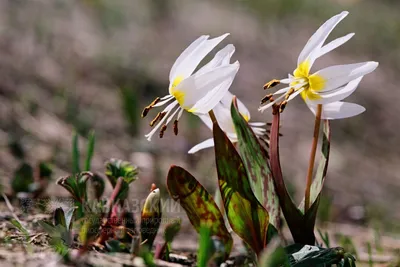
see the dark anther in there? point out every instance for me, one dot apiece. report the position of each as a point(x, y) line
point(155, 101)
point(147, 109)
point(155, 119)
point(163, 128)
point(266, 98)
point(282, 106)
point(271, 84)
point(176, 127)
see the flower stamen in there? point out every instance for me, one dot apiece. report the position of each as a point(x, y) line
point(282, 105)
point(266, 98)
point(271, 84)
point(163, 128)
point(176, 127)
point(159, 117)
point(147, 109)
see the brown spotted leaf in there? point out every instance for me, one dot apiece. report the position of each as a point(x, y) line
point(199, 205)
point(247, 217)
point(256, 162)
point(302, 232)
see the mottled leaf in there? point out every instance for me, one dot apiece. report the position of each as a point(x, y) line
point(320, 175)
point(247, 217)
point(256, 162)
point(302, 232)
point(198, 204)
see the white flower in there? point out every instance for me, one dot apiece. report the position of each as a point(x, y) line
point(222, 113)
point(197, 92)
point(327, 86)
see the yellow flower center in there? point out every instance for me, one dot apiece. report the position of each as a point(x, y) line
point(314, 83)
point(179, 95)
point(245, 117)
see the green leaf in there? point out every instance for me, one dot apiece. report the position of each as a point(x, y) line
point(45, 170)
point(151, 217)
point(23, 178)
point(69, 215)
point(319, 179)
point(59, 217)
point(114, 245)
point(98, 185)
point(89, 228)
point(76, 185)
point(255, 160)
point(75, 153)
point(147, 257)
point(198, 204)
point(90, 150)
point(116, 168)
point(20, 227)
point(318, 257)
point(278, 258)
point(171, 230)
point(247, 217)
point(205, 248)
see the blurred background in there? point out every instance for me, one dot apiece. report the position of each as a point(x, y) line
point(95, 64)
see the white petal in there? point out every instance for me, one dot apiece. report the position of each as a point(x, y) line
point(333, 45)
point(257, 124)
point(242, 109)
point(338, 110)
point(192, 48)
point(226, 101)
point(205, 144)
point(318, 38)
point(223, 57)
point(258, 131)
point(187, 62)
point(202, 93)
point(339, 75)
point(224, 119)
point(207, 121)
point(339, 93)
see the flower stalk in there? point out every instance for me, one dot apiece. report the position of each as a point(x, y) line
point(312, 157)
point(212, 116)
